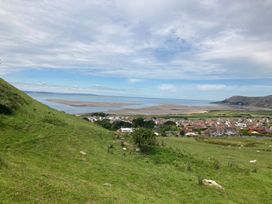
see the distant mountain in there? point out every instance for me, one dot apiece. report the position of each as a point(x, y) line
point(263, 102)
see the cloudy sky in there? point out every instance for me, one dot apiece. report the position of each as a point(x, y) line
point(209, 49)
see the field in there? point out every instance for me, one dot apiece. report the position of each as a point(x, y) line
point(223, 114)
point(51, 157)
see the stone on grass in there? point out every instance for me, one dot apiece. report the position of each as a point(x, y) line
point(107, 184)
point(212, 183)
point(124, 148)
point(82, 152)
point(253, 161)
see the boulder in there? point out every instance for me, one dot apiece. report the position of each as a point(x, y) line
point(82, 152)
point(107, 184)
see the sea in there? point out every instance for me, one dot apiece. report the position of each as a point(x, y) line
point(135, 102)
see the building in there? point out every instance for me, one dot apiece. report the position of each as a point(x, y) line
point(126, 130)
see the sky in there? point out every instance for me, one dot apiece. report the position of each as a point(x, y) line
point(188, 49)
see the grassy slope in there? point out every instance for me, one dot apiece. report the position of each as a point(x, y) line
point(40, 163)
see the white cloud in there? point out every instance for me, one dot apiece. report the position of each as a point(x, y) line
point(168, 87)
point(211, 87)
point(134, 80)
point(174, 39)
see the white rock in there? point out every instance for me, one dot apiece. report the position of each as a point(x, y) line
point(253, 161)
point(258, 151)
point(107, 184)
point(212, 183)
point(124, 148)
point(82, 152)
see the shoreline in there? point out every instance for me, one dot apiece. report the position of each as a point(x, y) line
point(162, 109)
point(89, 104)
point(167, 109)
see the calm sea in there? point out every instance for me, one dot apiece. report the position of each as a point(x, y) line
point(138, 102)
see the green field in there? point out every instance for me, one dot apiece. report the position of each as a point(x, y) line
point(40, 162)
point(222, 114)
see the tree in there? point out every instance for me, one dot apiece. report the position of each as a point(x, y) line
point(144, 138)
point(170, 123)
point(149, 124)
point(104, 123)
point(99, 114)
point(140, 122)
point(118, 124)
point(167, 126)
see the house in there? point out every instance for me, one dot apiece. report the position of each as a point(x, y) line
point(92, 119)
point(241, 125)
point(231, 132)
point(191, 134)
point(126, 130)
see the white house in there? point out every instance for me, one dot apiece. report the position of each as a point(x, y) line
point(191, 134)
point(126, 130)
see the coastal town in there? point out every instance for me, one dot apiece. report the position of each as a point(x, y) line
point(220, 126)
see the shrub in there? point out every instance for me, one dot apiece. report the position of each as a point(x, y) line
point(5, 110)
point(144, 138)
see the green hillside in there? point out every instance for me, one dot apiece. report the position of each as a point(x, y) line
point(40, 162)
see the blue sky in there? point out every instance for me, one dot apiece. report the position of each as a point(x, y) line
point(207, 49)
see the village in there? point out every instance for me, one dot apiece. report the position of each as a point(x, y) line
point(214, 127)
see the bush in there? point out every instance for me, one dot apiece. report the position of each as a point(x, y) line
point(5, 110)
point(144, 138)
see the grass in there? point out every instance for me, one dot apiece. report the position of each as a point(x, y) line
point(40, 162)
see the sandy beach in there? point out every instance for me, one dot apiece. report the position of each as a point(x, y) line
point(163, 109)
point(90, 104)
point(168, 109)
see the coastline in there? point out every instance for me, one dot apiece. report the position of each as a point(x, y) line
point(89, 104)
point(166, 109)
